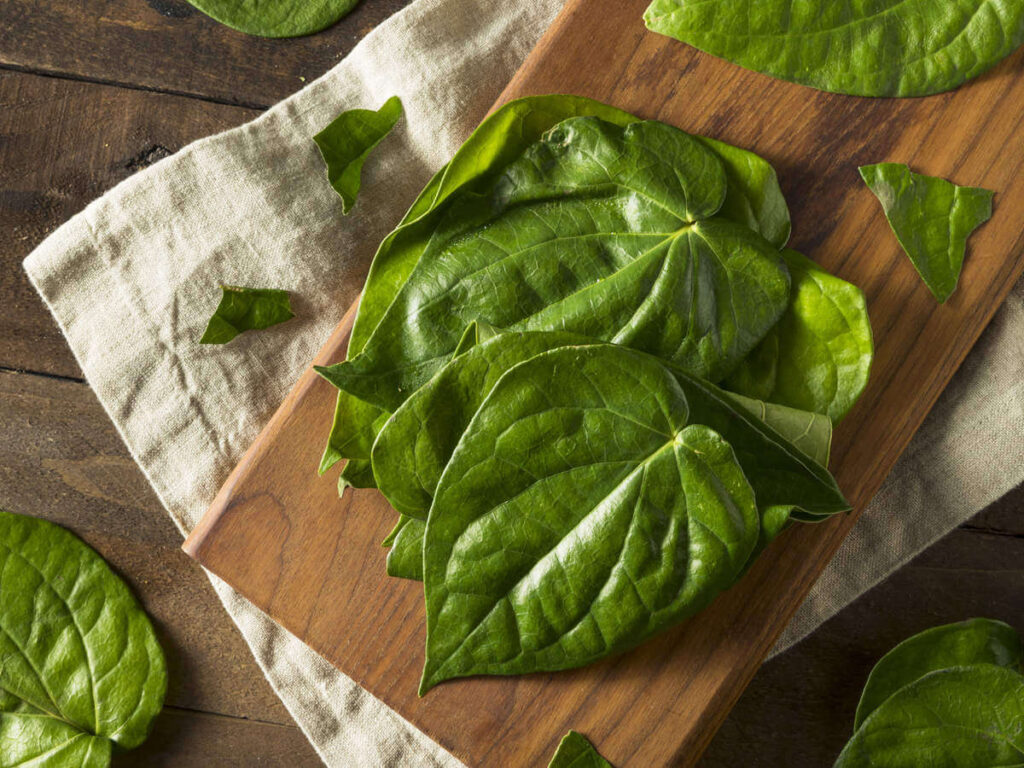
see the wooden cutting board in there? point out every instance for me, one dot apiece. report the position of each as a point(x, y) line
point(313, 562)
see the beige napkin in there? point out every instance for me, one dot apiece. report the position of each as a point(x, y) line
point(133, 279)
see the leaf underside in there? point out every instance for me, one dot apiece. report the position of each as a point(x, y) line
point(870, 48)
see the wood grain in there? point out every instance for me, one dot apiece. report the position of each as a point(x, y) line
point(167, 45)
point(63, 144)
point(312, 562)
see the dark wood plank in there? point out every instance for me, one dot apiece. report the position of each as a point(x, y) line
point(63, 143)
point(169, 46)
point(182, 738)
point(314, 564)
point(61, 459)
point(798, 710)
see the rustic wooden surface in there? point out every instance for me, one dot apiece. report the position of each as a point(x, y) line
point(313, 564)
point(93, 90)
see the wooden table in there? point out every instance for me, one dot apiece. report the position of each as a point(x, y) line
point(92, 91)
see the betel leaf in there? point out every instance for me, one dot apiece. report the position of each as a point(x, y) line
point(932, 219)
point(870, 48)
point(818, 357)
point(82, 669)
point(246, 309)
point(498, 141)
point(574, 521)
point(348, 141)
point(961, 717)
point(276, 18)
point(597, 230)
point(575, 751)
point(976, 641)
point(416, 444)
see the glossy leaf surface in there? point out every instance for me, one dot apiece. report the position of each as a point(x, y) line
point(348, 141)
point(977, 641)
point(575, 751)
point(932, 219)
point(819, 356)
point(595, 230)
point(82, 668)
point(498, 141)
point(276, 18)
point(630, 509)
point(416, 444)
point(961, 717)
point(246, 309)
point(867, 48)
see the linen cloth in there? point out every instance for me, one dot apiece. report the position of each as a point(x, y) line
point(133, 279)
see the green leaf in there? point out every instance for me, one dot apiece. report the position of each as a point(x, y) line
point(818, 358)
point(932, 219)
point(276, 18)
point(574, 521)
point(961, 717)
point(869, 48)
point(576, 752)
point(353, 431)
point(405, 560)
point(754, 197)
point(596, 230)
point(82, 668)
point(348, 141)
point(808, 431)
point(498, 141)
point(417, 443)
point(357, 473)
point(246, 309)
point(977, 641)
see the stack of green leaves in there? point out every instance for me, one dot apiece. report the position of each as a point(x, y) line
point(534, 381)
point(949, 696)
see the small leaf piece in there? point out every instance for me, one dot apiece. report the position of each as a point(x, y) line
point(575, 751)
point(818, 358)
point(867, 48)
point(932, 219)
point(961, 717)
point(246, 309)
point(276, 18)
point(977, 641)
point(81, 664)
point(348, 141)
